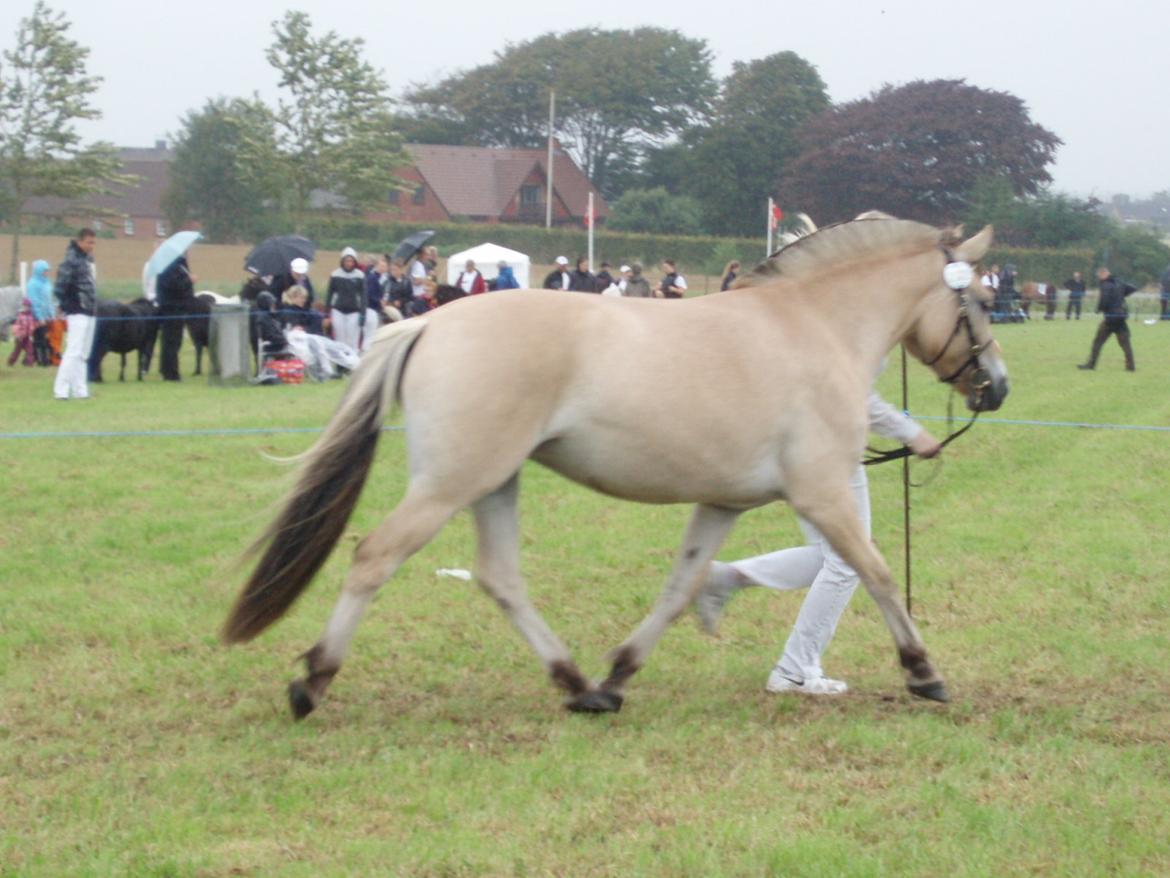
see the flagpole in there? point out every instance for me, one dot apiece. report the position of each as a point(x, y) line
point(589, 220)
point(769, 253)
point(552, 109)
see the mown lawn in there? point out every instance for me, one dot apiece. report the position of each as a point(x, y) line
point(133, 743)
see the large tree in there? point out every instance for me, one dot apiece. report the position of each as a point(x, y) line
point(738, 160)
point(916, 151)
point(335, 130)
point(45, 91)
point(226, 171)
point(656, 211)
point(617, 92)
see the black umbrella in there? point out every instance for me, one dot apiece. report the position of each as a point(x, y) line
point(274, 255)
point(409, 245)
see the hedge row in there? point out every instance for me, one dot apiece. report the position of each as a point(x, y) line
point(697, 254)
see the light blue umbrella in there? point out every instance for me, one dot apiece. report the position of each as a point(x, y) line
point(170, 250)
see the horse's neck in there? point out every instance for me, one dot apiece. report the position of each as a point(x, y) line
point(874, 308)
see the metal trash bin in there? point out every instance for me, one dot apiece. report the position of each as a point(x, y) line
point(228, 345)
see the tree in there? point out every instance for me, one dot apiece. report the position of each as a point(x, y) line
point(739, 159)
point(44, 91)
point(1044, 220)
point(656, 211)
point(916, 151)
point(617, 92)
point(225, 172)
point(334, 128)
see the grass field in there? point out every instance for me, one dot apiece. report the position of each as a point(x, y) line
point(133, 743)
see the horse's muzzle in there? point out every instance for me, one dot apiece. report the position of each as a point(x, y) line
point(986, 394)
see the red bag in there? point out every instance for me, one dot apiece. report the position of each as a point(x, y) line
point(288, 371)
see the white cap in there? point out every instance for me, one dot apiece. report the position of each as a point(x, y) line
point(624, 269)
point(561, 260)
point(349, 251)
point(300, 265)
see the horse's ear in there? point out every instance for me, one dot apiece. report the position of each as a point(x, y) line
point(975, 248)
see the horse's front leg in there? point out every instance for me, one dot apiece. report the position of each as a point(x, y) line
point(834, 513)
point(706, 532)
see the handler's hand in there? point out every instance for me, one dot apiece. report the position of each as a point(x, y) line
point(925, 445)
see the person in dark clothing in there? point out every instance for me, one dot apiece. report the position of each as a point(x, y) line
point(1164, 294)
point(265, 325)
point(346, 300)
point(1076, 295)
point(295, 312)
point(76, 296)
point(252, 288)
point(176, 294)
point(1009, 294)
point(399, 290)
point(730, 275)
point(559, 278)
point(605, 278)
point(581, 279)
point(298, 274)
point(673, 285)
point(1111, 305)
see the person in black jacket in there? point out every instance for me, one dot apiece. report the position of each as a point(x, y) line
point(176, 294)
point(346, 300)
point(581, 279)
point(76, 295)
point(1111, 304)
point(1076, 295)
point(559, 278)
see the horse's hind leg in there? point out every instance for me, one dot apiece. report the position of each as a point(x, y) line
point(497, 522)
point(407, 529)
point(836, 518)
point(706, 532)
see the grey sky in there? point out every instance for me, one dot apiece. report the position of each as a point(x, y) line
point(1094, 73)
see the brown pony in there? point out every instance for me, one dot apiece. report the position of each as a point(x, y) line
point(726, 402)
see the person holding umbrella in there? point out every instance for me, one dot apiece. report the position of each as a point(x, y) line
point(175, 288)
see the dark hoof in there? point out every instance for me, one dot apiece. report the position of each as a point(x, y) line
point(299, 699)
point(595, 701)
point(933, 691)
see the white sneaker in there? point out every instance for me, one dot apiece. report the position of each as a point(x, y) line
point(778, 683)
point(717, 588)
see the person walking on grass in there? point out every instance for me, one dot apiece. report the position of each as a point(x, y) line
point(77, 297)
point(815, 566)
point(1111, 305)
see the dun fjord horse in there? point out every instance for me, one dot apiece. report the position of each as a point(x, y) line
point(727, 402)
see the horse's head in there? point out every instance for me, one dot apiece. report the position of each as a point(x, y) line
point(952, 330)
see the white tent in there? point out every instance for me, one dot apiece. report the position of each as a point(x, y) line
point(487, 257)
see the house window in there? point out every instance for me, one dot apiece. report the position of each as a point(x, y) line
point(420, 194)
point(128, 227)
point(529, 196)
point(160, 228)
point(393, 196)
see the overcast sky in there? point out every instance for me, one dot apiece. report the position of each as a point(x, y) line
point(1095, 73)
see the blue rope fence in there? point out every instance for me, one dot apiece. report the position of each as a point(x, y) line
point(271, 431)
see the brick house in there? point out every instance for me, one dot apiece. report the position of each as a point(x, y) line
point(129, 211)
point(490, 185)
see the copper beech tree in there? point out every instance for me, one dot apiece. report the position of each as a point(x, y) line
point(916, 151)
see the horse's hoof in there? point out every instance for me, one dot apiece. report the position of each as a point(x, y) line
point(595, 701)
point(299, 699)
point(935, 691)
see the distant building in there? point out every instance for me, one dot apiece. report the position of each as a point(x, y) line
point(479, 184)
point(129, 211)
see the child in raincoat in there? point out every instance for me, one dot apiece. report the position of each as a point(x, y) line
point(22, 332)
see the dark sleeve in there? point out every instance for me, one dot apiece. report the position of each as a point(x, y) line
point(331, 292)
point(550, 280)
point(1128, 289)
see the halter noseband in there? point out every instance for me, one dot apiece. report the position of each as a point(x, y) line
point(958, 276)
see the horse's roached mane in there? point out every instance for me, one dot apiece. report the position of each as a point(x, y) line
point(867, 236)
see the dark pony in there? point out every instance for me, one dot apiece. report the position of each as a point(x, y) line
point(121, 329)
point(199, 326)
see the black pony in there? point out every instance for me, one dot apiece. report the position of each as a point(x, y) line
point(199, 326)
point(121, 329)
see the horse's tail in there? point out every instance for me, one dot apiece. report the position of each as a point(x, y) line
point(333, 471)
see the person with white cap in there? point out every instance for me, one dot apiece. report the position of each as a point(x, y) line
point(346, 300)
point(623, 278)
point(559, 278)
point(298, 275)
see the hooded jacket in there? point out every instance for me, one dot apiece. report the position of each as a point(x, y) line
point(74, 288)
point(347, 287)
point(506, 279)
point(40, 291)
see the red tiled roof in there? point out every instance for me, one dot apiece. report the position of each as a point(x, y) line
point(481, 181)
point(140, 199)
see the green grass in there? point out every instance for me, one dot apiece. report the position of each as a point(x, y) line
point(133, 743)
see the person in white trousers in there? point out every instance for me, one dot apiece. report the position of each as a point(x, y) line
point(76, 296)
point(815, 566)
point(346, 300)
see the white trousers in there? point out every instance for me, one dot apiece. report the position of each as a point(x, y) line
point(829, 580)
point(346, 327)
point(73, 372)
point(372, 324)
